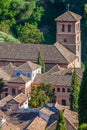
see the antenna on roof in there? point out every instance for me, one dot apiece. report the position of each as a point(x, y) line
point(68, 5)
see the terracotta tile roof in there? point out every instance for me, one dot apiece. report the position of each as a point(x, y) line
point(9, 68)
point(68, 16)
point(26, 52)
point(46, 111)
point(3, 115)
point(62, 80)
point(67, 54)
point(28, 67)
point(4, 75)
point(61, 107)
point(9, 126)
point(71, 47)
point(37, 124)
point(5, 100)
point(19, 79)
point(72, 117)
point(55, 69)
point(21, 98)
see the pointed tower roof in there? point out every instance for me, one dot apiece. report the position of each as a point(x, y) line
point(68, 16)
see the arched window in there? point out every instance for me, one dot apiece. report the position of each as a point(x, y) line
point(63, 28)
point(69, 28)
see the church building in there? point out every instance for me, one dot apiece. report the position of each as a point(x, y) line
point(66, 52)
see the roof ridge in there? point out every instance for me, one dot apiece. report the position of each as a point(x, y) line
point(62, 52)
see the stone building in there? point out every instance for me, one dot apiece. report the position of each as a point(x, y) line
point(66, 51)
point(69, 33)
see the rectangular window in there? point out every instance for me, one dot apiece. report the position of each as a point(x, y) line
point(64, 102)
point(58, 89)
point(69, 28)
point(77, 38)
point(65, 40)
point(13, 91)
point(63, 28)
point(63, 89)
point(68, 90)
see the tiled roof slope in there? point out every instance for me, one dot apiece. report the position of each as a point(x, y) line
point(37, 124)
point(61, 80)
point(54, 69)
point(9, 68)
point(4, 75)
point(68, 16)
point(28, 67)
point(26, 52)
point(71, 47)
point(72, 117)
point(47, 111)
point(5, 100)
point(67, 54)
point(19, 79)
point(10, 126)
point(21, 98)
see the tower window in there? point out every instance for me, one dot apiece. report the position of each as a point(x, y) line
point(58, 89)
point(68, 90)
point(78, 48)
point(77, 38)
point(65, 40)
point(63, 89)
point(63, 28)
point(69, 28)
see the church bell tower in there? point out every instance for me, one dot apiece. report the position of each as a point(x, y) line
point(69, 33)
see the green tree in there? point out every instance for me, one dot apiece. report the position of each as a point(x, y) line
point(29, 34)
point(83, 127)
point(82, 102)
point(49, 91)
point(61, 122)
point(2, 85)
point(4, 37)
point(41, 62)
point(74, 92)
point(38, 98)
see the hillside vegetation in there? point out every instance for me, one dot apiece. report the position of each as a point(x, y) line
point(33, 21)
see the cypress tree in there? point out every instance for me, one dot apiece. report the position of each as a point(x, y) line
point(82, 102)
point(41, 62)
point(61, 122)
point(74, 92)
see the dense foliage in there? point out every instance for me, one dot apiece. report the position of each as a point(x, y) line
point(61, 122)
point(83, 98)
point(2, 85)
point(41, 62)
point(74, 92)
point(41, 95)
point(4, 37)
point(83, 127)
point(16, 14)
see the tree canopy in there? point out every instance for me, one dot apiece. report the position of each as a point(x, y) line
point(2, 85)
point(61, 122)
point(83, 127)
point(82, 102)
point(4, 37)
point(41, 62)
point(42, 95)
point(74, 92)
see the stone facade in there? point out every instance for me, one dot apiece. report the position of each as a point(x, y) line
point(68, 32)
